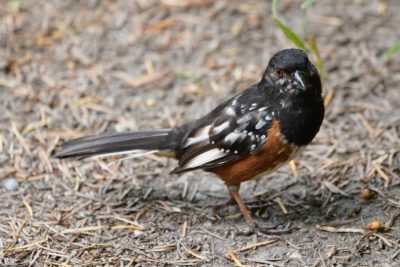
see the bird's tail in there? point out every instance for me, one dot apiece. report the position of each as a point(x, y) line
point(162, 140)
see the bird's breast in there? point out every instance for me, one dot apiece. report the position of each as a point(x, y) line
point(275, 153)
point(301, 120)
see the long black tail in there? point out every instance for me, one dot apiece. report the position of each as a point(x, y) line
point(112, 143)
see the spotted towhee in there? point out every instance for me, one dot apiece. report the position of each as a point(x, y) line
point(253, 133)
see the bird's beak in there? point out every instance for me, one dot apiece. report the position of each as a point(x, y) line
point(298, 79)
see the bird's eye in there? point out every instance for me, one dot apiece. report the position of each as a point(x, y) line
point(279, 73)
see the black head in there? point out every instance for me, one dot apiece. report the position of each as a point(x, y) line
point(291, 72)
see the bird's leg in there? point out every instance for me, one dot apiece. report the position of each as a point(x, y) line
point(229, 202)
point(234, 192)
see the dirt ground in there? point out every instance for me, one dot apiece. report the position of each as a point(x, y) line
point(69, 68)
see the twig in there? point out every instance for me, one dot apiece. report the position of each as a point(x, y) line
point(27, 246)
point(278, 201)
point(258, 244)
point(234, 258)
point(184, 228)
point(339, 230)
point(382, 174)
point(293, 168)
point(334, 188)
point(194, 254)
point(392, 219)
point(128, 227)
point(20, 139)
point(212, 234)
point(28, 207)
point(35, 257)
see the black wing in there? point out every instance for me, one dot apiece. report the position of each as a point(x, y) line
point(235, 129)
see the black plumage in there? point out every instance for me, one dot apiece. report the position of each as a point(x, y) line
point(253, 132)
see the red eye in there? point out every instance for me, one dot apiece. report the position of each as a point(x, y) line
point(279, 73)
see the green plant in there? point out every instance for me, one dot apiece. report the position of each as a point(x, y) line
point(15, 5)
point(307, 3)
point(310, 46)
point(392, 51)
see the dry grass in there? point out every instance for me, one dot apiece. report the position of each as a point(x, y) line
point(69, 68)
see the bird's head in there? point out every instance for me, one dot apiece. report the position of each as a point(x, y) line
point(291, 72)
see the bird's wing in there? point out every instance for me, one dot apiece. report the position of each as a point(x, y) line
point(231, 132)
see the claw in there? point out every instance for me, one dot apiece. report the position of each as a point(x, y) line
point(254, 228)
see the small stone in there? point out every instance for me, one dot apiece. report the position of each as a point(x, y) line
point(10, 184)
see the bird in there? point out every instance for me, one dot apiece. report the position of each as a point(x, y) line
point(251, 134)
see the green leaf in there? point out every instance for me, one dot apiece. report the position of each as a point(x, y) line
point(15, 5)
point(290, 34)
point(307, 3)
point(392, 51)
point(274, 2)
point(286, 30)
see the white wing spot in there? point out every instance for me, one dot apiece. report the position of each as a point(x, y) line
point(235, 152)
point(234, 102)
point(232, 137)
point(205, 157)
point(254, 104)
point(201, 136)
point(252, 147)
point(268, 117)
point(263, 137)
point(221, 127)
point(230, 111)
point(244, 119)
point(260, 124)
point(262, 109)
point(252, 108)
